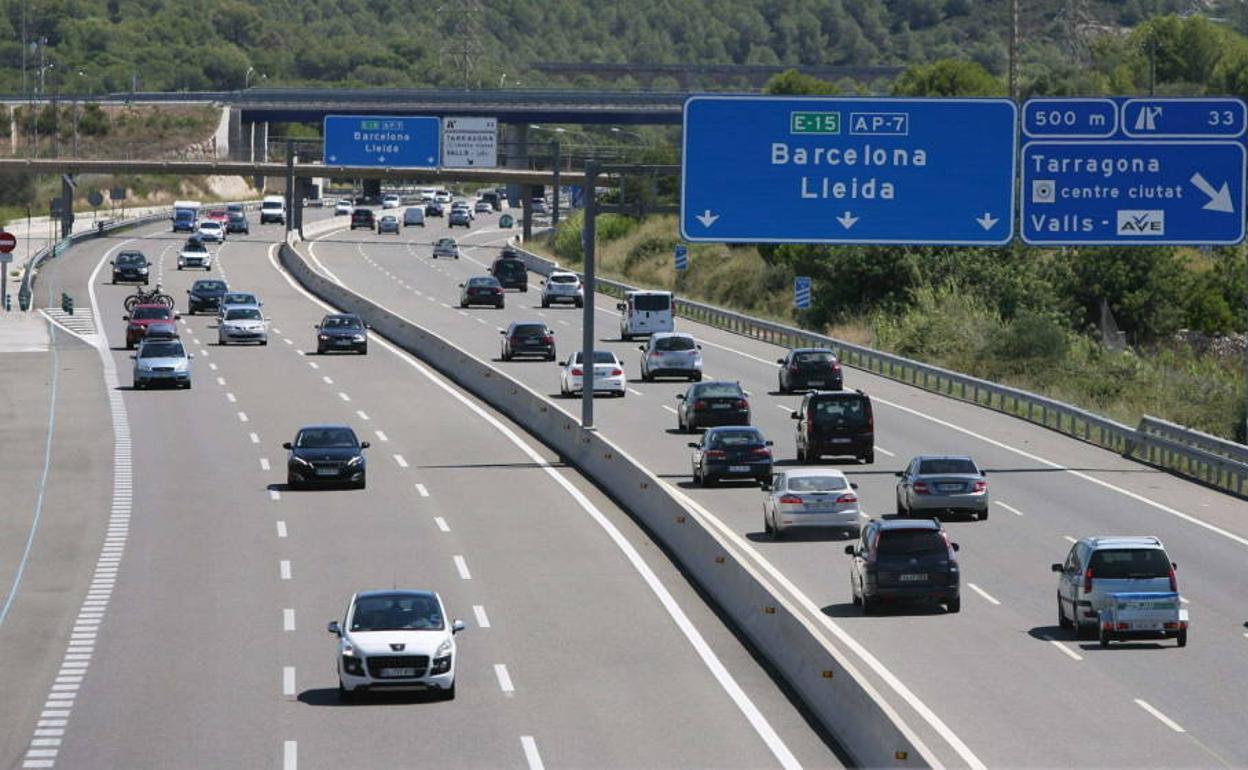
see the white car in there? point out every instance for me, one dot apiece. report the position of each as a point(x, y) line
point(608, 374)
point(563, 286)
point(242, 324)
point(810, 497)
point(671, 354)
point(464, 207)
point(343, 207)
point(390, 201)
point(210, 230)
point(195, 254)
point(443, 197)
point(396, 639)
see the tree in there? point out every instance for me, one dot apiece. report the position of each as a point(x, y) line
point(793, 83)
point(948, 77)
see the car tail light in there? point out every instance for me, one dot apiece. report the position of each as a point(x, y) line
point(699, 404)
point(716, 453)
point(981, 486)
point(836, 367)
point(847, 499)
point(761, 451)
point(548, 339)
point(498, 291)
point(1172, 626)
point(1123, 626)
point(616, 372)
point(577, 372)
point(920, 488)
point(1174, 581)
point(743, 404)
point(791, 500)
point(1087, 580)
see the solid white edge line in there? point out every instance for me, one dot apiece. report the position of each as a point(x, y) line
point(1009, 508)
point(1165, 720)
point(743, 702)
point(982, 593)
point(530, 752)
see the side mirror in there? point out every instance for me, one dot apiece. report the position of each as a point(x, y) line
point(954, 546)
point(111, 262)
point(680, 396)
point(795, 415)
point(765, 486)
point(619, 306)
point(983, 473)
point(780, 361)
point(461, 286)
point(694, 445)
point(1056, 568)
point(287, 445)
point(316, 326)
point(334, 628)
point(898, 474)
point(699, 347)
point(177, 316)
point(642, 348)
point(364, 445)
point(457, 625)
point(849, 550)
point(502, 332)
point(190, 355)
point(125, 318)
point(853, 485)
point(1174, 565)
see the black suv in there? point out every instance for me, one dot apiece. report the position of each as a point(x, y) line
point(363, 218)
point(528, 339)
point(510, 272)
point(904, 560)
point(131, 266)
point(835, 423)
point(205, 294)
point(809, 368)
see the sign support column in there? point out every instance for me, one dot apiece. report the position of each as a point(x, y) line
point(587, 312)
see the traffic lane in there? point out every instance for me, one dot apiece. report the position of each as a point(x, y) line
point(967, 564)
point(556, 547)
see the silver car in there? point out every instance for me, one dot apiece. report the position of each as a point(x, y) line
point(942, 483)
point(810, 497)
point(162, 361)
point(1098, 567)
point(671, 354)
point(562, 286)
point(242, 324)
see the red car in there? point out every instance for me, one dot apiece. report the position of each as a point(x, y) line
point(143, 316)
point(219, 215)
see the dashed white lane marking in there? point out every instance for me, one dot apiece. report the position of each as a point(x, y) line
point(463, 313)
point(288, 340)
point(462, 567)
point(362, 415)
point(281, 529)
point(441, 522)
point(242, 417)
point(284, 569)
point(1071, 539)
point(343, 396)
point(212, 367)
point(1165, 720)
point(230, 397)
point(530, 753)
point(220, 380)
point(264, 463)
point(327, 381)
point(381, 435)
point(420, 490)
point(400, 461)
point(255, 437)
point(274, 495)
point(885, 452)
point(290, 755)
point(565, 323)
point(483, 620)
point(314, 365)
point(634, 392)
point(288, 680)
point(288, 619)
point(1065, 650)
point(668, 408)
point(982, 593)
point(783, 407)
point(504, 679)
point(1009, 508)
point(1184, 600)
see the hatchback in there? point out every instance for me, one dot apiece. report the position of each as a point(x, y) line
point(671, 354)
point(904, 560)
point(388, 224)
point(481, 290)
point(131, 267)
point(799, 498)
point(815, 368)
point(563, 286)
point(608, 374)
point(143, 316)
point(532, 338)
point(712, 403)
point(459, 217)
point(732, 452)
point(933, 484)
point(163, 362)
point(342, 331)
point(510, 272)
point(1097, 567)
point(446, 247)
point(363, 219)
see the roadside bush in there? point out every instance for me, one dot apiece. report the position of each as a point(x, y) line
point(567, 240)
point(612, 227)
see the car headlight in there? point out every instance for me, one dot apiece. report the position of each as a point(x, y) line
point(300, 460)
point(444, 649)
point(347, 649)
point(358, 338)
point(322, 337)
point(143, 270)
point(354, 461)
point(181, 366)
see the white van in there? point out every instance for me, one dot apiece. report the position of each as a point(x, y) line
point(645, 312)
point(273, 209)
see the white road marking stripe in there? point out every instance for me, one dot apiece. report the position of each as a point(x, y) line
point(530, 753)
point(401, 462)
point(264, 463)
point(1071, 539)
point(1066, 650)
point(274, 495)
point(362, 415)
point(420, 489)
point(288, 680)
point(1165, 720)
point(212, 367)
point(242, 417)
point(288, 619)
point(461, 312)
point(482, 619)
point(343, 396)
point(284, 569)
point(462, 567)
point(982, 592)
point(784, 408)
point(220, 380)
point(281, 529)
point(288, 340)
point(255, 437)
point(885, 452)
point(668, 408)
point(634, 392)
point(441, 522)
point(290, 755)
point(1009, 508)
point(314, 365)
point(381, 436)
point(504, 679)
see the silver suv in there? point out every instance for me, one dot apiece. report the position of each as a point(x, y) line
point(1097, 567)
point(562, 286)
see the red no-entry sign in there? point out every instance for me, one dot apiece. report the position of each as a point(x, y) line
point(8, 242)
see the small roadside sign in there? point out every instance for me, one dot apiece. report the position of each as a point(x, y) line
point(682, 257)
point(117, 194)
point(8, 242)
point(801, 292)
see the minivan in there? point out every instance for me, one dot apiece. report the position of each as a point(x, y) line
point(838, 423)
point(644, 312)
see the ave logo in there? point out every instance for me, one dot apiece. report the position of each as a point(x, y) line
point(1141, 222)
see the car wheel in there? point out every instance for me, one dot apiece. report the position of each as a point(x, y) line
point(868, 458)
point(854, 599)
point(320, 351)
point(767, 528)
point(780, 386)
point(1104, 637)
point(868, 604)
point(776, 533)
point(263, 343)
point(579, 304)
point(545, 304)
point(1062, 621)
point(801, 454)
point(291, 482)
point(901, 509)
point(363, 483)
point(447, 693)
point(364, 350)
point(709, 480)
point(954, 605)
point(345, 695)
point(1182, 638)
point(983, 515)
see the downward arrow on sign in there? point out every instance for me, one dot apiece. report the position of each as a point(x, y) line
point(1219, 200)
point(847, 220)
point(987, 221)
point(707, 218)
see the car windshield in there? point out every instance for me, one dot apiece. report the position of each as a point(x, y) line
point(131, 258)
point(674, 343)
point(413, 214)
point(389, 218)
point(910, 542)
point(162, 350)
point(509, 267)
point(446, 243)
point(209, 225)
point(600, 357)
point(528, 329)
point(652, 302)
point(397, 612)
point(947, 465)
point(482, 281)
point(731, 438)
point(816, 483)
point(565, 278)
point(1124, 563)
point(240, 299)
point(816, 357)
point(326, 438)
point(839, 411)
point(236, 216)
point(243, 314)
point(339, 322)
point(194, 246)
point(208, 286)
point(147, 313)
point(717, 389)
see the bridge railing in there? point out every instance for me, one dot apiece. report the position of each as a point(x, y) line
point(1207, 459)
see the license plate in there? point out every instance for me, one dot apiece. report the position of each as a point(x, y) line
point(398, 672)
point(815, 383)
point(1145, 626)
point(326, 471)
point(949, 487)
point(738, 469)
point(840, 440)
point(913, 577)
point(531, 341)
point(342, 342)
point(721, 406)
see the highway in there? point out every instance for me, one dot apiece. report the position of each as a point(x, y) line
point(998, 684)
point(172, 608)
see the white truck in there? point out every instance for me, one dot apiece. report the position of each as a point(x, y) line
point(273, 210)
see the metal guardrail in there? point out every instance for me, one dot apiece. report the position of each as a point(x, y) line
point(1200, 457)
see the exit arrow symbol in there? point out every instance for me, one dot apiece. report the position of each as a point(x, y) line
point(987, 221)
point(847, 220)
point(707, 218)
point(1219, 200)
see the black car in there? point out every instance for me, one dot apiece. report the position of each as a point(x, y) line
point(835, 423)
point(712, 403)
point(511, 273)
point(205, 294)
point(237, 223)
point(809, 368)
point(433, 209)
point(735, 452)
point(325, 454)
point(528, 339)
point(131, 267)
point(234, 208)
point(342, 331)
point(363, 218)
point(904, 560)
point(481, 290)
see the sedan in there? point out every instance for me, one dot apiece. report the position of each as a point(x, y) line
point(395, 639)
point(712, 403)
point(735, 452)
point(205, 294)
point(162, 361)
point(809, 368)
point(343, 207)
point(211, 231)
point(483, 207)
point(459, 217)
point(388, 224)
point(933, 484)
point(528, 339)
point(482, 290)
point(233, 299)
point(326, 454)
point(142, 317)
point(242, 324)
point(342, 331)
point(798, 498)
point(433, 209)
point(446, 247)
point(608, 374)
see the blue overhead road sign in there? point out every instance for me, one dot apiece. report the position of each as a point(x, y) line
point(1183, 118)
point(1070, 118)
point(388, 141)
point(832, 170)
